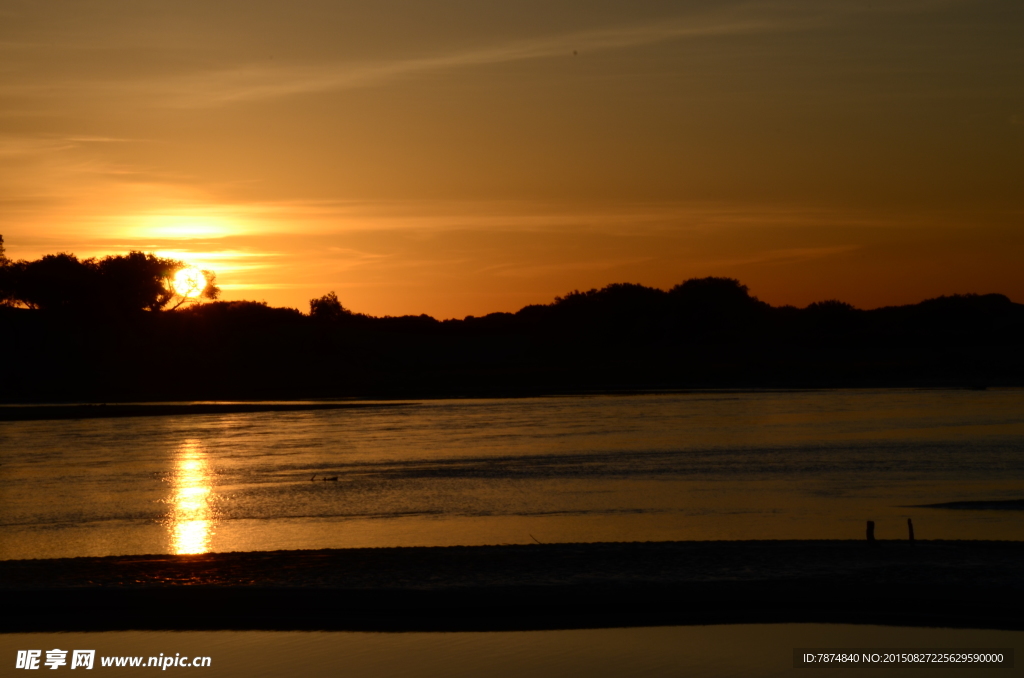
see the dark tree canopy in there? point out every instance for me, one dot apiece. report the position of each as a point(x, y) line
point(137, 281)
point(6, 277)
point(832, 306)
point(614, 293)
point(719, 292)
point(56, 282)
point(328, 307)
point(703, 333)
point(116, 284)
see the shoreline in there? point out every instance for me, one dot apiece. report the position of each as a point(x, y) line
point(967, 584)
point(37, 412)
point(58, 411)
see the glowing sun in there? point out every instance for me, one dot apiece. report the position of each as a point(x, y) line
point(189, 282)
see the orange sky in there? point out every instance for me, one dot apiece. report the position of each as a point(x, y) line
point(458, 158)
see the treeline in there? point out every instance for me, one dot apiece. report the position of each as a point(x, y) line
point(713, 311)
point(708, 332)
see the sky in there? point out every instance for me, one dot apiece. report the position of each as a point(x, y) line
point(459, 158)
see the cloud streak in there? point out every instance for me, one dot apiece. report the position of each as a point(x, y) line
point(245, 82)
point(253, 83)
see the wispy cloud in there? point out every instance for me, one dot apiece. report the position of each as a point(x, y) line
point(247, 82)
point(12, 146)
point(238, 287)
point(528, 269)
point(252, 81)
point(783, 256)
point(261, 82)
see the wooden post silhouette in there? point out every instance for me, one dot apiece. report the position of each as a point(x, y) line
point(910, 529)
point(871, 532)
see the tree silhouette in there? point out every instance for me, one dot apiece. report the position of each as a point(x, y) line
point(713, 293)
point(832, 307)
point(211, 292)
point(137, 281)
point(57, 282)
point(328, 308)
point(115, 284)
point(6, 277)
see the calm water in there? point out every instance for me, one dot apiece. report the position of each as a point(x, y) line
point(742, 651)
point(791, 465)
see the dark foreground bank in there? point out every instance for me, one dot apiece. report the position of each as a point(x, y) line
point(968, 584)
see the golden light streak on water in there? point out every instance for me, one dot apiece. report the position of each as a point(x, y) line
point(191, 518)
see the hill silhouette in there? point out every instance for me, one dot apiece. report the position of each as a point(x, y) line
point(703, 333)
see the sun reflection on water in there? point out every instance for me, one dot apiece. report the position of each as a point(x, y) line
point(191, 517)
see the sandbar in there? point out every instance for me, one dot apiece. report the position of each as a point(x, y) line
point(967, 584)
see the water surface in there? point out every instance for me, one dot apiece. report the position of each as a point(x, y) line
point(762, 465)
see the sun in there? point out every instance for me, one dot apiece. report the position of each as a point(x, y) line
point(189, 282)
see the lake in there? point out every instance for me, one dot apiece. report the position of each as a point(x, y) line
point(673, 466)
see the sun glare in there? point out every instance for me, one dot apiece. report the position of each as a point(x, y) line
point(189, 282)
point(182, 226)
